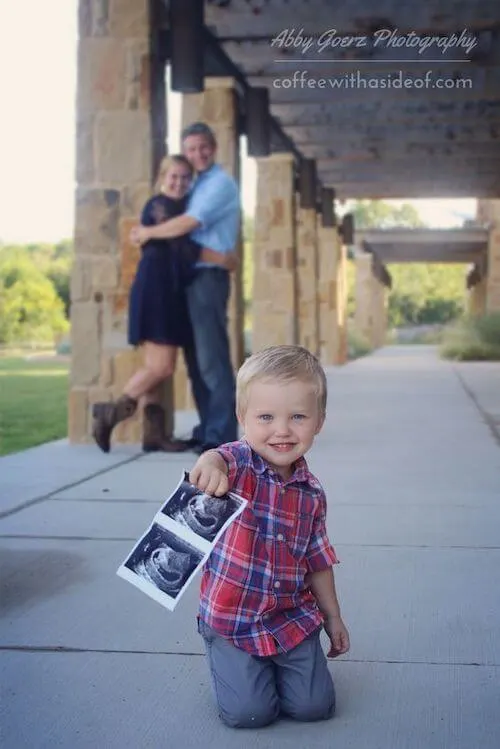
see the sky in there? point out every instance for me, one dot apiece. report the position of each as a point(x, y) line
point(37, 127)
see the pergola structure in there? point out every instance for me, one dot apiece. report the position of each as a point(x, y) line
point(337, 100)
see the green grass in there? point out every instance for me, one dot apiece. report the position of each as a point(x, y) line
point(473, 339)
point(33, 402)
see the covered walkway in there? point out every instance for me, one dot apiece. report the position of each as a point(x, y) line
point(410, 459)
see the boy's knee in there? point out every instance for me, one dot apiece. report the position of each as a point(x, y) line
point(317, 708)
point(246, 717)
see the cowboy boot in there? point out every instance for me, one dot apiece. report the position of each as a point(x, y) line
point(107, 416)
point(154, 438)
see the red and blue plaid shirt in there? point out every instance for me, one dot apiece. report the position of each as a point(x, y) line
point(253, 589)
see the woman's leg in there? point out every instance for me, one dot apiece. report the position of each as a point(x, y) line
point(159, 363)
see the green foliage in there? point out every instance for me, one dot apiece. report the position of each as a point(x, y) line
point(473, 339)
point(34, 292)
point(426, 293)
point(377, 214)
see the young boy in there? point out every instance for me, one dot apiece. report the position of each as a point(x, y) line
point(268, 586)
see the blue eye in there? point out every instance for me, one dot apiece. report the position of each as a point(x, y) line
point(265, 417)
point(299, 417)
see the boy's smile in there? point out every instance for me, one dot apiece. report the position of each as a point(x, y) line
point(281, 421)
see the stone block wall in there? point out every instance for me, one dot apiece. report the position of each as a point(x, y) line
point(274, 302)
point(488, 212)
point(332, 296)
point(307, 278)
point(114, 178)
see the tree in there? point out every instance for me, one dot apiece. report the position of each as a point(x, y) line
point(377, 214)
point(30, 309)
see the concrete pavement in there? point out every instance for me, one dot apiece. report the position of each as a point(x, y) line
point(412, 470)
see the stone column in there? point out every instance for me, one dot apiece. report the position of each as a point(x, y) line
point(379, 313)
point(307, 277)
point(488, 212)
point(332, 296)
point(274, 315)
point(217, 106)
point(341, 353)
point(117, 145)
point(363, 295)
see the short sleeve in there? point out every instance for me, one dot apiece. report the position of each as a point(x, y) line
point(147, 217)
point(210, 203)
point(320, 553)
point(236, 455)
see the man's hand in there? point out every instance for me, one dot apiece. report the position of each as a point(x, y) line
point(338, 636)
point(210, 474)
point(139, 235)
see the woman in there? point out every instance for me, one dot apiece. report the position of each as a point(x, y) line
point(158, 316)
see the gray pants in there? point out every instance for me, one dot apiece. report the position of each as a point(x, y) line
point(252, 691)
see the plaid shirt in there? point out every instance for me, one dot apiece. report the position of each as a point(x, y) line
point(253, 590)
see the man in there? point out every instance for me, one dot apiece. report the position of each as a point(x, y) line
point(212, 218)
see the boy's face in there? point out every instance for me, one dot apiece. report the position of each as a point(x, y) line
point(281, 421)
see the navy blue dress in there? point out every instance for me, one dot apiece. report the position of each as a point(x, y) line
point(157, 305)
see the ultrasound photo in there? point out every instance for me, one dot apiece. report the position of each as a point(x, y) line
point(164, 560)
point(179, 540)
point(204, 514)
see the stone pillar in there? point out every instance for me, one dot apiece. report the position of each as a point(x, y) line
point(493, 263)
point(332, 296)
point(371, 303)
point(217, 106)
point(379, 313)
point(307, 278)
point(363, 295)
point(488, 211)
point(477, 299)
point(118, 142)
point(274, 314)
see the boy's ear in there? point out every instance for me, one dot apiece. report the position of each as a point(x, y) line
point(240, 418)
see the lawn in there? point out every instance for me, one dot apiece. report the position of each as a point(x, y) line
point(33, 402)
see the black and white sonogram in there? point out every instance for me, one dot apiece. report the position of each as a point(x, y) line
point(164, 560)
point(204, 514)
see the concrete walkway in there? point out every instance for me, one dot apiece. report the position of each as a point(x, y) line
point(412, 471)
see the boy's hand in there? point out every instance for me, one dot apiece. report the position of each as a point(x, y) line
point(210, 474)
point(338, 636)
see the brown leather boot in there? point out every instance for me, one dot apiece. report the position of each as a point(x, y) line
point(154, 438)
point(107, 416)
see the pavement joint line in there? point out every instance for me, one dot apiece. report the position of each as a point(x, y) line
point(43, 497)
point(488, 419)
point(62, 649)
point(25, 536)
point(450, 505)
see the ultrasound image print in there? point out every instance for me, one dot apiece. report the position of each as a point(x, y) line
point(203, 513)
point(164, 560)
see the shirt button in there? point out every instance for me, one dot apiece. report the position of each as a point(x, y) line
point(277, 584)
point(280, 537)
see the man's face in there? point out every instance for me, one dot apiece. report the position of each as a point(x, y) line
point(199, 151)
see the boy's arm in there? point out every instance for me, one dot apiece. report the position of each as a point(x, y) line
point(322, 584)
point(210, 474)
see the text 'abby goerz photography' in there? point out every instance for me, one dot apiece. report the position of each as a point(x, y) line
point(179, 540)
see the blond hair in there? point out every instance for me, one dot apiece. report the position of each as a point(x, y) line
point(167, 163)
point(284, 363)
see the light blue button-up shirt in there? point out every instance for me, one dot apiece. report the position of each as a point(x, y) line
point(215, 202)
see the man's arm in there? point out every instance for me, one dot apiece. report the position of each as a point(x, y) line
point(174, 227)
